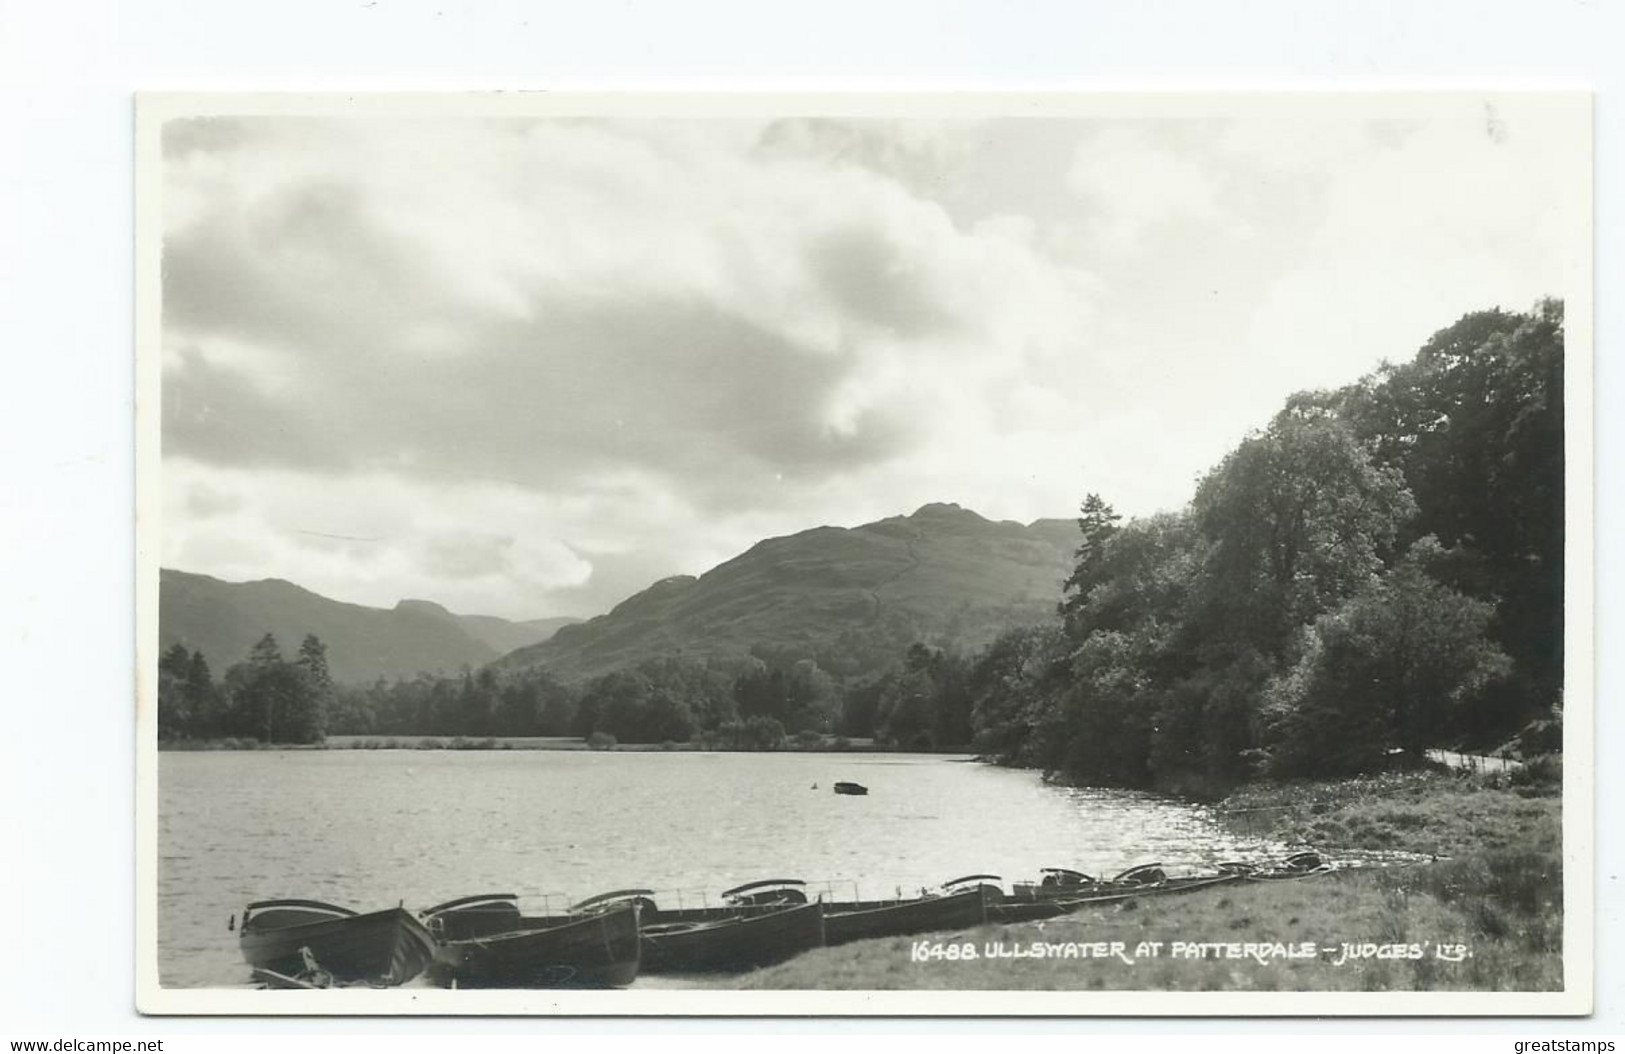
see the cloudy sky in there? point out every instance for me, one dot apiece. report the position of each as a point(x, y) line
point(528, 366)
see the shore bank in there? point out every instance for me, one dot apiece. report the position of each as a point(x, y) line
point(1486, 915)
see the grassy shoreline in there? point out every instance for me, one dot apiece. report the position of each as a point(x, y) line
point(1493, 898)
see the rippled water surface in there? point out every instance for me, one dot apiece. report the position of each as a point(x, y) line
point(370, 828)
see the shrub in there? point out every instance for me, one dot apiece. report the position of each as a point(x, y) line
point(601, 741)
point(1545, 770)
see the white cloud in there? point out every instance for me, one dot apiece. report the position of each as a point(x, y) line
point(527, 367)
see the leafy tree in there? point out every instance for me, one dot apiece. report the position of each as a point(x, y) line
point(752, 733)
point(924, 701)
point(1476, 424)
point(175, 717)
point(307, 723)
point(1298, 517)
point(666, 718)
point(202, 698)
point(272, 699)
point(1097, 522)
point(1010, 684)
point(1390, 669)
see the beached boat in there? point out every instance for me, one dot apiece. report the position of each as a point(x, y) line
point(845, 787)
point(600, 949)
point(862, 920)
point(1063, 882)
point(1301, 864)
point(1072, 890)
point(1016, 909)
point(1143, 875)
point(475, 916)
point(1065, 878)
point(293, 938)
point(753, 898)
point(731, 945)
point(271, 979)
point(766, 892)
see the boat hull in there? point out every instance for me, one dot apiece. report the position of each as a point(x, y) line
point(382, 948)
point(1048, 905)
point(592, 951)
point(1011, 910)
point(844, 924)
point(733, 945)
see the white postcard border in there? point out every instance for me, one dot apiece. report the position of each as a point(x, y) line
point(1562, 102)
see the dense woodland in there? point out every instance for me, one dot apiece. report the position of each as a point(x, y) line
point(1377, 571)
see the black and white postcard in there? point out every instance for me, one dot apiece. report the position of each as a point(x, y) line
point(852, 554)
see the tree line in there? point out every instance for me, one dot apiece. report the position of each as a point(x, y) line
point(1377, 571)
point(265, 697)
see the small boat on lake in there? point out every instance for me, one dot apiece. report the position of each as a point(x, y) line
point(862, 920)
point(744, 941)
point(845, 787)
point(595, 949)
point(296, 938)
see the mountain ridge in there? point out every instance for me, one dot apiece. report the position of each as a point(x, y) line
point(224, 619)
point(943, 574)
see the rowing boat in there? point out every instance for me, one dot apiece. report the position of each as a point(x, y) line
point(594, 950)
point(1066, 884)
point(475, 916)
point(1299, 865)
point(1030, 902)
point(731, 945)
point(285, 937)
point(904, 918)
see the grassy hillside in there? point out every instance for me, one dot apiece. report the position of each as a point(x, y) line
point(944, 575)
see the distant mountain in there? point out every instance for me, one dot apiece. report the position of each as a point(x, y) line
point(225, 619)
point(944, 575)
point(504, 636)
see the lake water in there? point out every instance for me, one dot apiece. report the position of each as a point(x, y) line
point(370, 828)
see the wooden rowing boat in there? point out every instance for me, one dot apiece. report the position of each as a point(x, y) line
point(283, 937)
point(731, 945)
point(1030, 903)
point(1066, 884)
point(592, 950)
point(766, 892)
point(477, 916)
point(1012, 910)
point(860, 920)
